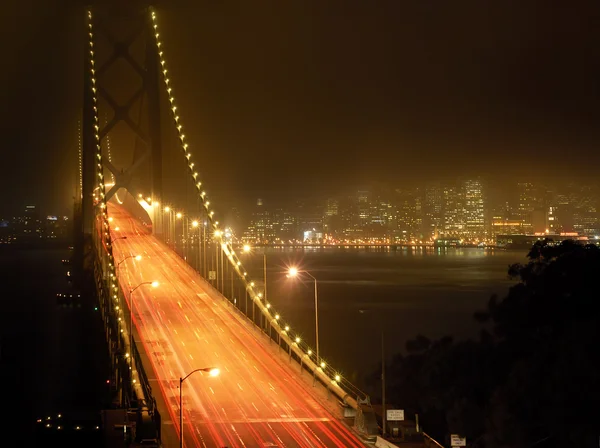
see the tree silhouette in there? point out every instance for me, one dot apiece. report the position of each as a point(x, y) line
point(533, 376)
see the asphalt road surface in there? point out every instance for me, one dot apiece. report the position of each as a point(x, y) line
point(256, 401)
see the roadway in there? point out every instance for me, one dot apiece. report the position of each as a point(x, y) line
point(183, 325)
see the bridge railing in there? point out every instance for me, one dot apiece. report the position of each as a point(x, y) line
point(297, 349)
point(131, 385)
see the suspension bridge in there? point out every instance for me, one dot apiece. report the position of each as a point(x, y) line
point(167, 315)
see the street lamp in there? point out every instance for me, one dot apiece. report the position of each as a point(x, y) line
point(247, 249)
point(197, 257)
point(168, 210)
point(293, 272)
point(137, 257)
point(154, 285)
point(212, 371)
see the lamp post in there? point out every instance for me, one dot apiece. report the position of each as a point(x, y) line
point(293, 272)
point(137, 257)
point(195, 225)
point(154, 285)
point(217, 238)
point(204, 256)
point(213, 371)
point(178, 216)
point(168, 210)
point(247, 249)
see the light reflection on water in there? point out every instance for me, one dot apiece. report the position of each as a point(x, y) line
point(403, 293)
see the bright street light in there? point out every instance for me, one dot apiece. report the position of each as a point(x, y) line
point(137, 257)
point(293, 272)
point(179, 215)
point(212, 371)
point(247, 248)
point(154, 285)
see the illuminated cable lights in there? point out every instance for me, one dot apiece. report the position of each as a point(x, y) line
point(194, 175)
point(101, 204)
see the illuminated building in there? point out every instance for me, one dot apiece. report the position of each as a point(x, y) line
point(432, 212)
point(474, 225)
point(260, 229)
point(453, 204)
point(332, 221)
point(309, 218)
point(585, 213)
point(528, 201)
point(408, 215)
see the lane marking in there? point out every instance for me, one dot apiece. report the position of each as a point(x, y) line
point(267, 420)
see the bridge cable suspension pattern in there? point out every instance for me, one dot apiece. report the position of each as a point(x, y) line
point(331, 378)
point(101, 211)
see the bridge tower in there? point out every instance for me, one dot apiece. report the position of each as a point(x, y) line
point(127, 76)
point(120, 155)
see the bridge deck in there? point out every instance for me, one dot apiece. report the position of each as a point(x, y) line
point(257, 400)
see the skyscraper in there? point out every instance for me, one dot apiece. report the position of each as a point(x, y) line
point(432, 212)
point(473, 209)
point(453, 203)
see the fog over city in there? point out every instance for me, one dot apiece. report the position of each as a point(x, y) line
point(317, 98)
point(321, 223)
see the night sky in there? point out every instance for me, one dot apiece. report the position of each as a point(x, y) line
point(294, 97)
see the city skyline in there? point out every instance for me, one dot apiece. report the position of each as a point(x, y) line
point(464, 209)
point(473, 209)
point(378, 221)
point(511, 93)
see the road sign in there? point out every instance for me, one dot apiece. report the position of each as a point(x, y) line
point(456, 440)
point(212, 275)
point(395, 415)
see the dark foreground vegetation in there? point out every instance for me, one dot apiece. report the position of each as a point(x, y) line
point(532, 378)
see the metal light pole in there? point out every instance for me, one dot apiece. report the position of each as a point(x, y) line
point(213, 371)
point(195, 225)
point(247, 249)
point(137, 257)
point(154, 285)
point(217, 238)
point(293, 272)
point(383, 413)
point(204, 262)
point(168, 226)
point(178, 216)
point(265, 272)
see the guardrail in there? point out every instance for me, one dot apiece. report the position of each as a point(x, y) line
point(348, 393)
point(133, 383)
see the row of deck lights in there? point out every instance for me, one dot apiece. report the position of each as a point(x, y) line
point(216, 231)
point(102, 192)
